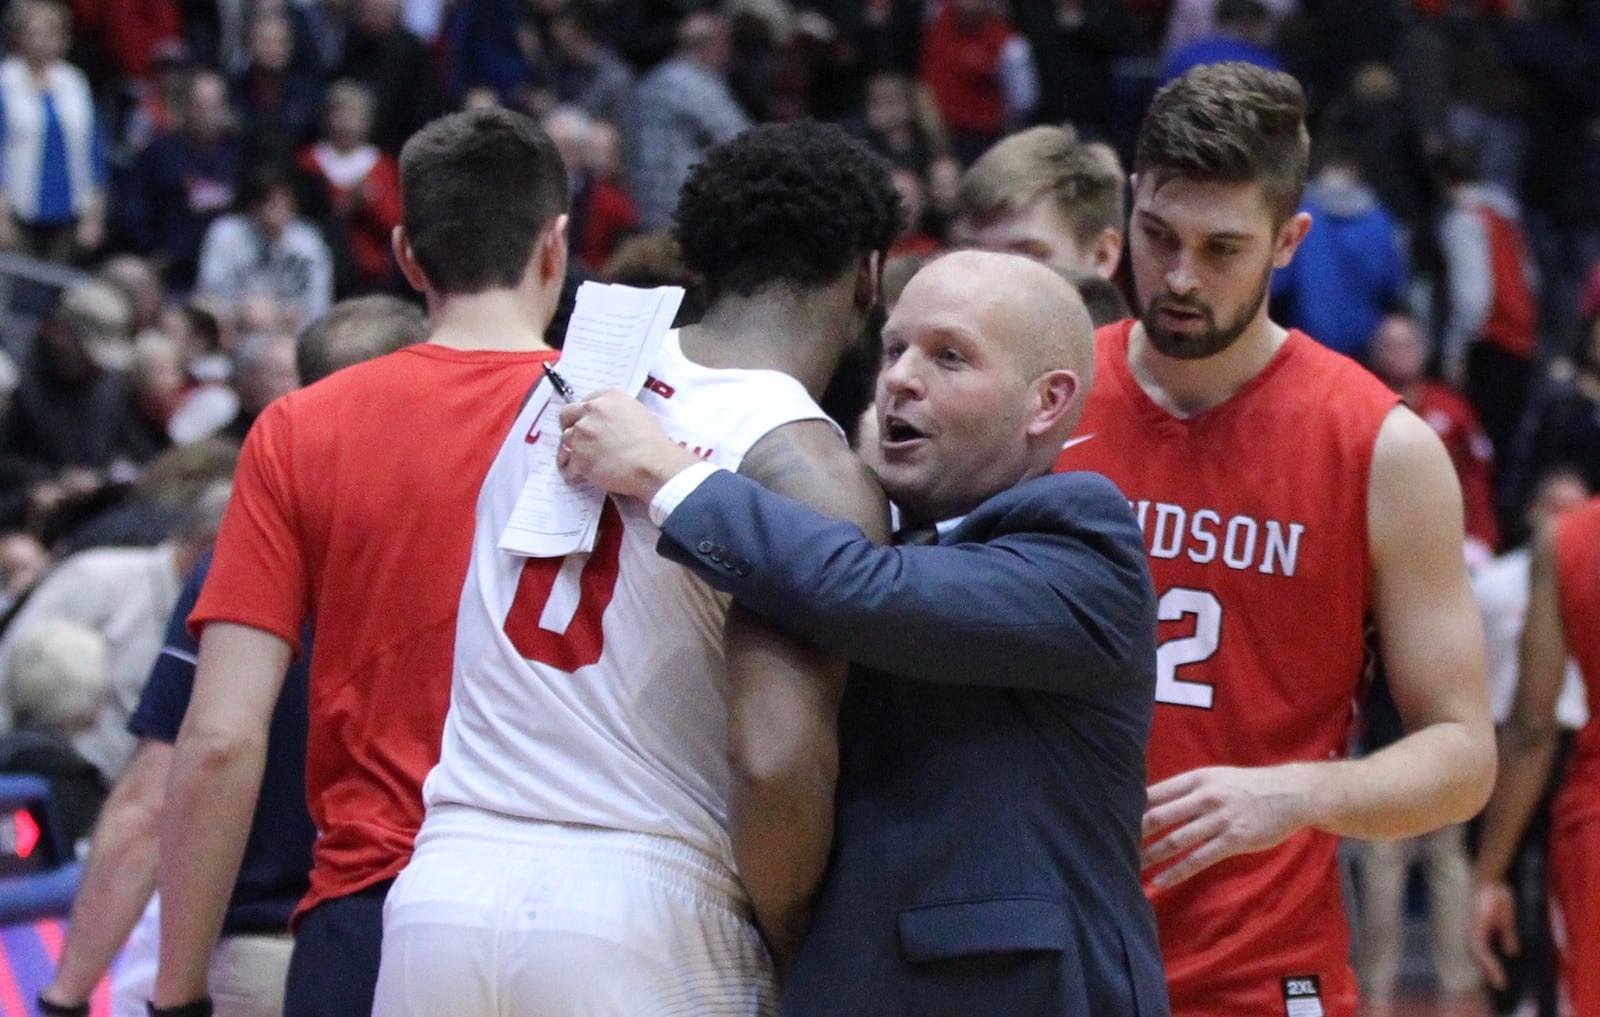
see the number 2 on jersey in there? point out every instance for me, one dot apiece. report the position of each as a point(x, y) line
point(581, 643)
point(1174, 605)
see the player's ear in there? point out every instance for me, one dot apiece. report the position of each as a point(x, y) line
point(552, 249)
point(869, 280)
point(1288, 238)
point(406, 258)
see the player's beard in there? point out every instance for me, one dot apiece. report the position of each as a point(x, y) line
point(855, 379)
point(1209, 340)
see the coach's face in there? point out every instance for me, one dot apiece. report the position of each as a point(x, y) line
point(952, 399)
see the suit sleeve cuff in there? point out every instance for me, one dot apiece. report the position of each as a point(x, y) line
point(678, 488)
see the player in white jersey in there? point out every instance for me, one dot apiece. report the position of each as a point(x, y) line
point(585, 833)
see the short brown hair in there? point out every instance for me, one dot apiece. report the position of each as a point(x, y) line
point(1084, 179)
point(478, 187)
point(1230, 123)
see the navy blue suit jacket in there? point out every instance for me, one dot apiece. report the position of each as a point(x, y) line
point(992, 746)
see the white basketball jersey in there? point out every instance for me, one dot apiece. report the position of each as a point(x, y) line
point(591, 689)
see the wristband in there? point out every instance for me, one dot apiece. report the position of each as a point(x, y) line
point(49, 1009)
point(198, 1008)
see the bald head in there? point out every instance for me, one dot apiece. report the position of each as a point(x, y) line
point(1023, 307)
point(987, 360)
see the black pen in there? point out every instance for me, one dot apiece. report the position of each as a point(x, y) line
point(560, 384)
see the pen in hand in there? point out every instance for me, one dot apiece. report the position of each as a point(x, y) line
point(559, 383)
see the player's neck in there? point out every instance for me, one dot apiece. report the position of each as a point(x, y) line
point(787, 333)
point(497, 319)
point(1187, 388)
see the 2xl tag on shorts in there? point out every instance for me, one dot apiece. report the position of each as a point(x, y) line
point(1302, 996)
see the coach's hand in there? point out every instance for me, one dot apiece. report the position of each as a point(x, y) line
point(1217, 812)
point(612, 441)
point(1493, 923)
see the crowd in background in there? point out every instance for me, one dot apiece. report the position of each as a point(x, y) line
point(211, 175)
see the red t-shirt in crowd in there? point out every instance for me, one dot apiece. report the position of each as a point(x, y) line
point(1471, 453)
point(353, 503)
point(1255, 515)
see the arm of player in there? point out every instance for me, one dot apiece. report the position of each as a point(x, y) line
point(783, 701)
point(1062, 579)
point(1431, 638)
point(1527, 746)
point(118, 877)
point(211, 797)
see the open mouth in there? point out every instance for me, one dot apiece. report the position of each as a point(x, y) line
point(897, 433)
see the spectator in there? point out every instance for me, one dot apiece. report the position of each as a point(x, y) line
point(264, 369)
point(586, 71)
point(52, 163)
point(914, 238)
point(1350, 270)
point(1190, 21)
point(154, 505)
point(1399, 353)
point(362, 183)
point(56, 683)
point(157, 378)
point(130, 34)
point(71, 408)
point(266, 249)
point(22, 561)
point(490, 45)
point(1492, 312)
point(276, 101)
point(1242, 31)
point(383, 55)
point(1562, 428)
point(184, 180)
point(602, 214)
point(125, 594)
point(138, 281)
point(18, 472)
point(980, 73)
point(902, 124)
point(1392, 153)
point(1076, 45)
point(678, 110)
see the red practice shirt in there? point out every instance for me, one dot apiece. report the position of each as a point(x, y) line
point(1255, 516)
point(353, 503)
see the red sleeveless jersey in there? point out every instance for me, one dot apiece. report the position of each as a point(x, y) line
point(1255, 517)
point(1578, 589)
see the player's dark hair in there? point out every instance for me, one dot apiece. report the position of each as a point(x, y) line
point(791, 205)
point(1229, 123)
point(478, 188)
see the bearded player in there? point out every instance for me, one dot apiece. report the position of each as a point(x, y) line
point(1290, 505)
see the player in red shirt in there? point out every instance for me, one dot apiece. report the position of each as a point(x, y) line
point(1563, 620)
point(1288, 501)
point(353, 504)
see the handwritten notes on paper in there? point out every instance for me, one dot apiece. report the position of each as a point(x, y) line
point(611, 341)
